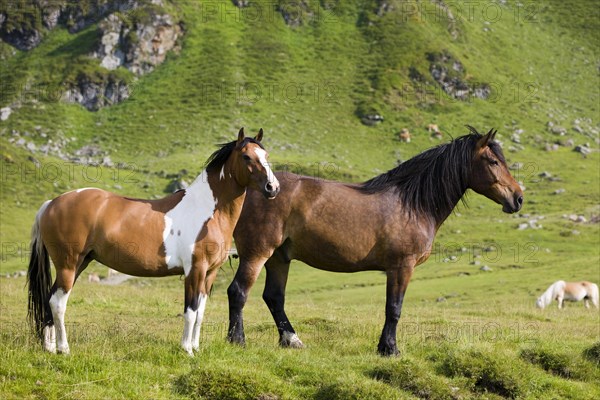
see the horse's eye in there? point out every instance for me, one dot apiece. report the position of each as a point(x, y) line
point(494, 162)
point(246, 157)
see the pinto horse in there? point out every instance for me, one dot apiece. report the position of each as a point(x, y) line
point(386, 224)
point(571, 291)
point(188, 232)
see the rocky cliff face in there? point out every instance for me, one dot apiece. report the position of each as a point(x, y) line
point(134, 34)
point(139, 47)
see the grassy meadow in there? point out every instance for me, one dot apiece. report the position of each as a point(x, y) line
point(464, 333)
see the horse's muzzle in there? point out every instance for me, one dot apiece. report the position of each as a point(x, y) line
point(271, 190)
point(515, 205)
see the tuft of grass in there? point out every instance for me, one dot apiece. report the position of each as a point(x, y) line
point(486, 373)
point(353, 390)
point(592, 353)
point(410, 376)
point(560, 364)
point(226, 382)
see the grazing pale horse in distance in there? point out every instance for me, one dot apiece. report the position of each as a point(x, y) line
point(186, 233)
point(571, 291)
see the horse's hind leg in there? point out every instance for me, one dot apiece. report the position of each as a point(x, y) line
point(65, 278)
point(55, 337)
point(57, 308)
point(274, 295)
point(397, 282)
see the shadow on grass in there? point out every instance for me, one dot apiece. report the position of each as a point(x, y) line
point(561, 364)
point(592, 354)
point(485, 373)
point(81, 45)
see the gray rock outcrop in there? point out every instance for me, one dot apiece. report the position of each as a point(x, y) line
point(139, 47)
point(450, 74)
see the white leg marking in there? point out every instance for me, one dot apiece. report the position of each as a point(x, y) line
point(289, 339)
point(199, 318)
point(50, 339)
point(189, 318)
point(58, 305)
point(184, 222)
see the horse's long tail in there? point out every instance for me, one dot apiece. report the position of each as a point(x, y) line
point(39, 279)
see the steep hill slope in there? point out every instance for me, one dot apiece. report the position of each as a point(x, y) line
point(312, 74)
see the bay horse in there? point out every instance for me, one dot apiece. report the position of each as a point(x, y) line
point(386, 224)
point(571, 291)
point(188, 232)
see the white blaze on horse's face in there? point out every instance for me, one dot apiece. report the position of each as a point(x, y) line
point(272, 185)
point(185, 221)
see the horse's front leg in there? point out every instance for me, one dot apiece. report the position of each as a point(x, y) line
point(204, 290)
point(202, 298)
point(237, 293)
point(397, 282)
point(193, 308)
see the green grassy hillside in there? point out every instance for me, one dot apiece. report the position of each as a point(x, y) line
point(308, 85)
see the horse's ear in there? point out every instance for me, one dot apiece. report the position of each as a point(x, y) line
point(486, 139)
point(240, 136)
point(259, 137)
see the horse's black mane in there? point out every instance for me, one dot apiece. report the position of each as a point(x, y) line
point(433, 181)
point(217, 159)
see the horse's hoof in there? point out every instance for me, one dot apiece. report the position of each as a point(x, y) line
point(63, 350)
point(50, 347)
point(240, 341)
point(50, 339)
point(388, 351)
point(290, 340)
point(187, 347)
